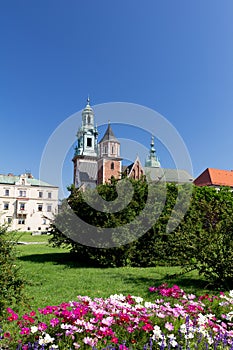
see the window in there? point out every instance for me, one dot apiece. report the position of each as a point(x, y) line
point(44, 221)
point(40, 194)
point(89, 142)
point(88, 119)
point(21, 206)
point(112, 166)
point(9, 220)
point(7, 192)
point(112, 149)
point(50, 195)
point(22, 193)
point(49, 208)
point(21, 221)
point(40, 207)
point(5, 206)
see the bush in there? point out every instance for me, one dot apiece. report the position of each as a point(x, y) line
point(202, 239)
point(11, 281)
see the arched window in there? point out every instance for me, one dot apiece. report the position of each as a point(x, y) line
point(112, 166)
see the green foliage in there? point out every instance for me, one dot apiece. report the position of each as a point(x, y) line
point(204, 240)
point(11, 282)
point(198, 238)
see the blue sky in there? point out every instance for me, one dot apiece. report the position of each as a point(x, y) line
point(175, 57)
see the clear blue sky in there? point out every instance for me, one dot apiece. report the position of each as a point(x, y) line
point(174, 56)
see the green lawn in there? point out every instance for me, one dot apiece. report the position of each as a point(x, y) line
point(28, 237)
point(54, 277)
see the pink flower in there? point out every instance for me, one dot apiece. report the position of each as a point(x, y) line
point(147, 327)
point(25, 331)
point(54, 322)
point(114, 340)
point(42, 326)
point(169, 326)
point(89, 341)
point(7, 335)
point(13, 317)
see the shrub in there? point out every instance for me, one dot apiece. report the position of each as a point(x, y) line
point(11, 281)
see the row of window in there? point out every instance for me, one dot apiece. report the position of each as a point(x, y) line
point(22, 206)
point(23, 193)
point(22, 221)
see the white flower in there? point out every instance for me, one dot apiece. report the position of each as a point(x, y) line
point(138, 300)
point(156, 333)
point(34, 329)
point(229, 316)
point(183, 328)
point(231, 293)
point(46, 340)
point(189, 336)
point(172, 340)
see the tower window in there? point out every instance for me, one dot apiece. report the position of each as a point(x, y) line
point(89, 142)
point(112, 166)
point(88, 119)
point(112, 149)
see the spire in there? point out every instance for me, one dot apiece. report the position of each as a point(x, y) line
point(152, 160)
point(109, 135)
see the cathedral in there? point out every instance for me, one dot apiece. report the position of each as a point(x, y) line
point(96, 162)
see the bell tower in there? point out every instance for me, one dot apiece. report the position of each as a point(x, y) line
point(109, 161)
point(85, 157)
point(87, 134)
point(152, 160)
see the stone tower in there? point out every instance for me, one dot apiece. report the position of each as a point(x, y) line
point(109, 161)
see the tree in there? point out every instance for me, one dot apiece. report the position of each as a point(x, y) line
point(11, 282)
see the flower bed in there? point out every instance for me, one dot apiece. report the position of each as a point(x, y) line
point(175, 320)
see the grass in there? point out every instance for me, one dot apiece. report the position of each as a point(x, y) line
point(28, 237)
point(55, 277)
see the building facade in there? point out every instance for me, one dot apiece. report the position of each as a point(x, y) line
point(27, 204)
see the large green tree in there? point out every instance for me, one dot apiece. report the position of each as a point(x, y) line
point(198, 238)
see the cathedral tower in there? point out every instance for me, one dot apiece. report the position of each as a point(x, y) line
point(85, 157)
point(109, 161)
point(152, 160)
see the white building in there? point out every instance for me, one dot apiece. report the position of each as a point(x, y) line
point(27, 204)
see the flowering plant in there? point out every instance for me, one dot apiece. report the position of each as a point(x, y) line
point(177, 321)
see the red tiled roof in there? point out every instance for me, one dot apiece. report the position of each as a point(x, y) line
point(215, 177)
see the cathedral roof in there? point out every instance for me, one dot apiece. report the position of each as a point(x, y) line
point(168, 175)
point(109, 135)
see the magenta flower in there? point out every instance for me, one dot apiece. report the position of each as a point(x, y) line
point(42, 326)
point(54, 322)
point(25, 331)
